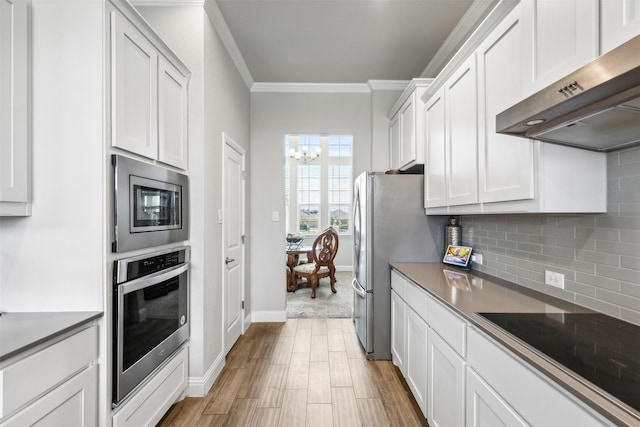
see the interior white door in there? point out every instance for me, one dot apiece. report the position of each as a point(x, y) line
point(233, 230)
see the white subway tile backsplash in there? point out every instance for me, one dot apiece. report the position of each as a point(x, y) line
point(599, 254)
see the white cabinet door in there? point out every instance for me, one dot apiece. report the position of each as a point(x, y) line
point(559, 37)
point(461, 113)
point(434, 169)
point(394, 142)
point(408, 132)
point(15, 168)
point(134, 67)
point(172, 115)
point(446, 384)
point(506, 163)
point(73, 404)
point(485, 408)
point(619, 22)
point(416, 358)
point(398, 331)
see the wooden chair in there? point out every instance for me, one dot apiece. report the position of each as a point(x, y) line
point(320, 264)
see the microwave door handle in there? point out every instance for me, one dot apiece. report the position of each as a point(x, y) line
point(151, 280)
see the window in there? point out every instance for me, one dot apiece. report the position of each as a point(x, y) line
point(318, 192)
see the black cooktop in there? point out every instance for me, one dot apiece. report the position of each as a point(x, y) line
point(600, 348)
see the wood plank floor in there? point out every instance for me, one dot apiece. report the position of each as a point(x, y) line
point(304, 372)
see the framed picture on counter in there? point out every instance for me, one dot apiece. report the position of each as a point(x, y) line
point(460, 256)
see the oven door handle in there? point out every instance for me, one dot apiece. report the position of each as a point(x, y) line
point(154, 279)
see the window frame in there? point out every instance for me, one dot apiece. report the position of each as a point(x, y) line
point(296, 142)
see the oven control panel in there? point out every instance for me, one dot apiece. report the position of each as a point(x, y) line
point(125, 270)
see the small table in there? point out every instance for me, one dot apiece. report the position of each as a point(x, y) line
point(293, 256)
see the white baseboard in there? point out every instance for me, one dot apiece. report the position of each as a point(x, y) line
point(344, 268)
point(269, 316)
point(200, 386)
point(247, 322)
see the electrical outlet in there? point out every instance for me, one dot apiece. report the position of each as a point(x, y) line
point(275, 216)
point(477, 258)
point(552, 278)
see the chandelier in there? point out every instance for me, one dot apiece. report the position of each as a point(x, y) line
point(304, 156)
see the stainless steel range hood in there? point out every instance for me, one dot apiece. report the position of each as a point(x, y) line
point(596, 107)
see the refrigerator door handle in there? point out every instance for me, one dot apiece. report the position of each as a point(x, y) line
point(357, 288)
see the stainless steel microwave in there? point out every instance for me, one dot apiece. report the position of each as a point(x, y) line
point(151, 205)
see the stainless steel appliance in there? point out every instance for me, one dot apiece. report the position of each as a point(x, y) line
point(150, 205)
point(389, 225)
point(151, 315)
point(596, 107)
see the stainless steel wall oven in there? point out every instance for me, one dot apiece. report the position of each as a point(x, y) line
point(150, 315)
point(150, 205)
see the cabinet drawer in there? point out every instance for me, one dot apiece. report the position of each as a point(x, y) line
point(448, 325)
point(416, 298)
point(398, 283)
point(30, 377)
point(149, 404)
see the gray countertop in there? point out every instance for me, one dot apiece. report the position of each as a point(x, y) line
point(468, 293)
point(21, 331)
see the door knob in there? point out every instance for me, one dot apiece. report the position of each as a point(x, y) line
point(228, 260)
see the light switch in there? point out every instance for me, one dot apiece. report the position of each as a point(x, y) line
point(275, 216)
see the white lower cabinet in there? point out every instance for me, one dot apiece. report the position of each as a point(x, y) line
point(485, 407)
point(56, 385)
point(461, 377)
point(149, 404)
point(398, 317)
point(74, 403)
point(446, 384)
point(416, 356)
point(545, 403)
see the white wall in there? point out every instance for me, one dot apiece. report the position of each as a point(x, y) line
point(218, 102)
point(54, 260)
point(272, 116)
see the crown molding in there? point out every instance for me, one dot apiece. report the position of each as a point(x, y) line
point(388, 84)
point(156, 3)
point(311, 87)
point(477, 11)
point(215, 16)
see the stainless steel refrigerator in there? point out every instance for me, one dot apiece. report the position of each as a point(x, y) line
point(389, 225)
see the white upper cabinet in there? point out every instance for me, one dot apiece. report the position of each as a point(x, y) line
point(408, 131)
point(450, 140)
point(149, 97)
point(461, 135)
point(394, 141)
point(487, 172)
point(619, 22)
point(15, 150)
point(506, 163)
point(406, 127)
point(172, 115)
point(559, 37)
point(434, 166)
point(135, 89)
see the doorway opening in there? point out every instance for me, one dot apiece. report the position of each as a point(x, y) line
point(318, 195)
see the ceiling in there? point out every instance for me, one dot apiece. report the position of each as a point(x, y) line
point(348, 41)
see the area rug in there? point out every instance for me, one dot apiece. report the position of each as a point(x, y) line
point(325, 304)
